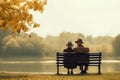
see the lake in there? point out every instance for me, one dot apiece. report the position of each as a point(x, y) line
point(49, 67)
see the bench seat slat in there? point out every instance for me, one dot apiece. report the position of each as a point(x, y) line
point(89, 65)
point(80, 63)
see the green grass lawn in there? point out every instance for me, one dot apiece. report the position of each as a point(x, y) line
point(19, 76)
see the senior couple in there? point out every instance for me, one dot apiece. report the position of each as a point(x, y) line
point(79, 48)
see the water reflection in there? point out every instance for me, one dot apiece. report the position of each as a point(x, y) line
point(50, 66)
point(111, 65)
point(110, 61)
point(22, 62)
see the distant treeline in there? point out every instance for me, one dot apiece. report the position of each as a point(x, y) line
point(24, 45)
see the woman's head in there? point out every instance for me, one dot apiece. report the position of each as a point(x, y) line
point(69, 44)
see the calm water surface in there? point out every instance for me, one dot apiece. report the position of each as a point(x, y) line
point(50, 66)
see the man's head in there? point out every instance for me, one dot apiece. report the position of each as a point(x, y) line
point(79, 42)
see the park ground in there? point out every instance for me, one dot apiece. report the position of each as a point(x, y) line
point(27, 76)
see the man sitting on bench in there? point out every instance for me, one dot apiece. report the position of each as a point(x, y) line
point(81, 49)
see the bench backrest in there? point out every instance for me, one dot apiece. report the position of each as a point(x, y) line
point(92, 59)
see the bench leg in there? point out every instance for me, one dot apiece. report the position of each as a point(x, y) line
point(99, 69)
point(57, 69)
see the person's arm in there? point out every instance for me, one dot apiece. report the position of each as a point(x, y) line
point(75, 50)
point(64, 50)
point(86, 49)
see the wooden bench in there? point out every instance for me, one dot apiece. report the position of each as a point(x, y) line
point(92, 59)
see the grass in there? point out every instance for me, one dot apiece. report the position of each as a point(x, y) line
point(19, 76)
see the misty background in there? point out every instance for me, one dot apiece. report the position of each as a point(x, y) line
point(33, 46)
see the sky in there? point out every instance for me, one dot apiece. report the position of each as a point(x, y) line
point(89, 17)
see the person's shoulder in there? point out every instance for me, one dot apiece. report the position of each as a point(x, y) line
point(87, 49)
point(64, 50)
point(75, 49)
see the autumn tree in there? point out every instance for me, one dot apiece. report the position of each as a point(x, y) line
point(15, 14)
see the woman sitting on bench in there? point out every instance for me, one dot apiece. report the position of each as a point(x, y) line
point(69, 66)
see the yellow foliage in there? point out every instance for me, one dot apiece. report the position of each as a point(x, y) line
point(15, 14)
point(4, 28)
point(29, 19)
point(36, 25)
point(1, 22)
point(14, 30)
point(45, 2)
